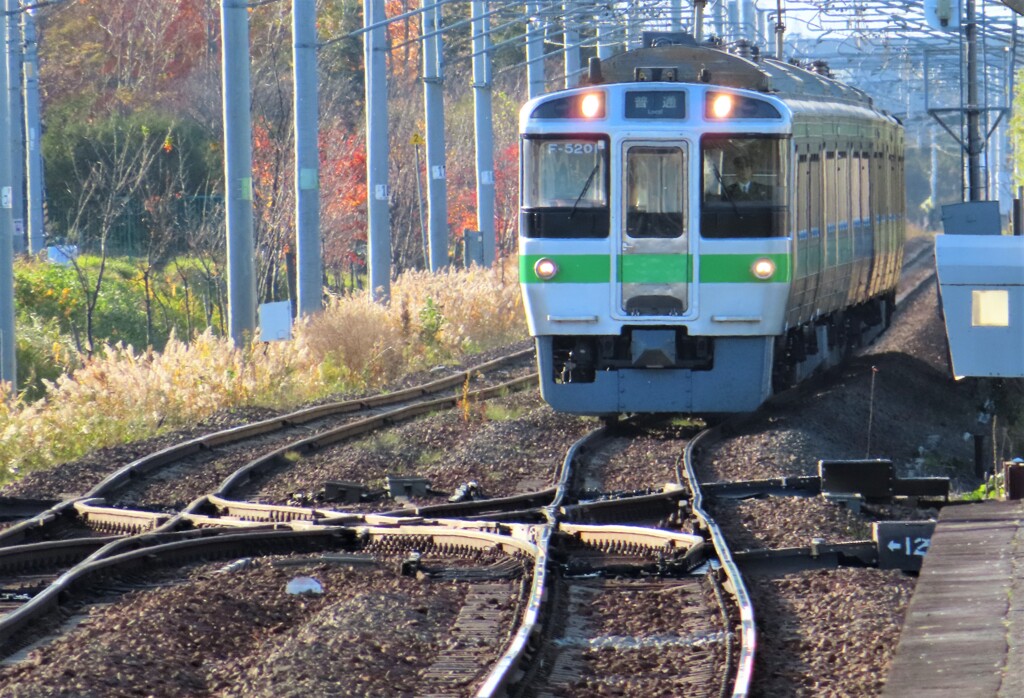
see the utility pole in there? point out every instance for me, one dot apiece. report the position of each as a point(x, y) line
point(571, 48)
point(780, 33)
point(33, 132)
point(16, 123)
point(377, 193)
point(238, 171)
point(482, 111)
point(535, 49)
point(307, 159)
point(605, 32)
point(8, 366)
point(433, 103)
point(698, 20)
point(975, 143)
point(719, 19)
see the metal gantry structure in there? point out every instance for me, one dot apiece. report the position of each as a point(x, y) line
point(889, 48)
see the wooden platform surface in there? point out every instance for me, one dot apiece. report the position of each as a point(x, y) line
point(964, 631)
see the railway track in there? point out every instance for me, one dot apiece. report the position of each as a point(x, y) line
point(598, 582)
point(513, 589)
point(208, 460)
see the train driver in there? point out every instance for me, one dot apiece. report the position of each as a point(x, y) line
point(745, 188)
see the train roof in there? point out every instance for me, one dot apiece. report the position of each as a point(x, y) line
point(708, 65)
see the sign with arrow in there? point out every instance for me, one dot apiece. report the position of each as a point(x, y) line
point(902, 545)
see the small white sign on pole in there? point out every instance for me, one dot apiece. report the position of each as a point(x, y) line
point(275, 321)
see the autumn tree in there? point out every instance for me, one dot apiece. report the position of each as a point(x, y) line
point(111, 179)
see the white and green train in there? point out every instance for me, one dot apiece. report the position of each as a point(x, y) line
point(698, 230)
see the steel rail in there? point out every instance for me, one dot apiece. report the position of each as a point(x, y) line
point(150, 462)
point(314, 443)
point(188, 546)
point(748, 631)
point(171, 454)
point(505, 669)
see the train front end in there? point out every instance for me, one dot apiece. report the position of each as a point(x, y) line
point(654, 278)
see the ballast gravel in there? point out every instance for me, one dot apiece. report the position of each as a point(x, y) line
point(821, 633)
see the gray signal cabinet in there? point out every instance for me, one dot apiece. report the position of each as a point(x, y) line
point(981, 281)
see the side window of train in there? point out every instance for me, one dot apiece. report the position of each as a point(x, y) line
point(814, 194)
point(803, 180)
point(744, 191)
point(655, 191)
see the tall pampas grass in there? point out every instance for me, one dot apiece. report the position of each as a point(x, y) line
point(122, 394)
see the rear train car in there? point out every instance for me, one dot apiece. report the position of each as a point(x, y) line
point(698, 229)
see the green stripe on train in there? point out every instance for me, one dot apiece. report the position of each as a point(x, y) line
point(654, 268)
point(572, 268)
point(736, 268)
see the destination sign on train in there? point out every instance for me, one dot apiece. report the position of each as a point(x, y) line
point(655, 104)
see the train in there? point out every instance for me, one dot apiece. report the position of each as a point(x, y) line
point(699, 229)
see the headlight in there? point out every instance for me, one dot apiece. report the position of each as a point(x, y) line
point(763, 269)
point(545, 269)
point(721, 106)
point(591, 105)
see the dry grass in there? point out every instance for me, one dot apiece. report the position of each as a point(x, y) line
point(354, 345)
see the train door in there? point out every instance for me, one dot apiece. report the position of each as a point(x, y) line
point(654, 269)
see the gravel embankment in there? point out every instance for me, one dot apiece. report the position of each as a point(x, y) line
point(240, 633)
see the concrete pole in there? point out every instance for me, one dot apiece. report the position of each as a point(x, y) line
point(534, 50)
point(633, 28)
point(719, 19)
point(34, 156)
point(8, 366)
point(307, 160)
point(571, 50)
point(484, 128)
point(433, 103)
point(780, 32)
point(676, 15)
point(605, 37)
point(238, 171)
point(734, 30)
point(933, 175)
point(975, 142)
point(1004, 165)
point(377, 190)
point(698, 20)
point(748, 30)
point(16, 123)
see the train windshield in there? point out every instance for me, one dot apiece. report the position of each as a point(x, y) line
point(565, 187)
point(744, 188)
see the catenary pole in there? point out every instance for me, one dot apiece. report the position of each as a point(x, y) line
point(535, 23)
point(605, 34)
point(34, 155)
point(377, 192)
point(15, 107)
point(719, 19)
point(8, 366)
point(482, 110)
point(975, 143)
point(238, 171)
point(734, 31)
point(748, 29)
point(571, 48)
point(433, 102)
point(307, 160)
